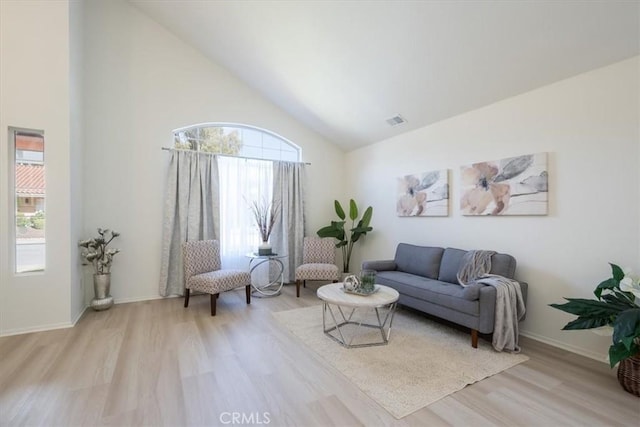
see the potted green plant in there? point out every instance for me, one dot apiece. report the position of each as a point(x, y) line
point(95, 252)
point(616, 306)
point(347, 238)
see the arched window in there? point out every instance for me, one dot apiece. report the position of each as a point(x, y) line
point(236, 140)
point(245, 170)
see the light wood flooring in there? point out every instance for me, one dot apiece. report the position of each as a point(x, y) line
point(157, 363)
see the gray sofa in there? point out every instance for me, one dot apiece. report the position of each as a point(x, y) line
point(426, 278)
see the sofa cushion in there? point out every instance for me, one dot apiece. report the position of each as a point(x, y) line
point(451, 262)
point(380, 265)
point(436, 292)
point(419, 260)
point(501, 264)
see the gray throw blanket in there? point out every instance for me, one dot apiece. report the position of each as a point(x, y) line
point(509, 302)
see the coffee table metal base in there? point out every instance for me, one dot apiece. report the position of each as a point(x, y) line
point(339, 319)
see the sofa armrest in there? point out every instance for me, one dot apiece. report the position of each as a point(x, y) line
point(487, 302)
point(472, 292)
point(524, 288)
point(380, 265)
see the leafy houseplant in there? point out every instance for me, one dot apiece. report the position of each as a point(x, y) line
point(96, 252)
point(616, 306)
point(346, 240)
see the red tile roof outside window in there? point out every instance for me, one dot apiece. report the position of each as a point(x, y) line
point(30, 180)
point(29, 142)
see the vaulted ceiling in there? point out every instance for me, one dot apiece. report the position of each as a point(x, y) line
point(344, 67)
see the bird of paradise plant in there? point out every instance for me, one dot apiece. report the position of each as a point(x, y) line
point(337, 231)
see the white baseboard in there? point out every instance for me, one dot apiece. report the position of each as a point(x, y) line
point(64, 325)
point(20, 331)
point(73, 323)
point(138, 299)
point(564, 346)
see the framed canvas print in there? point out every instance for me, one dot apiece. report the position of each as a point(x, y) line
point(425, 194)
point(511, 186)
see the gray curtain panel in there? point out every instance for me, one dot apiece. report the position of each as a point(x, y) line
point(288, 232)
point(191, 212)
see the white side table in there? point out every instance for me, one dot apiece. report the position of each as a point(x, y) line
point(336, 302)
point(274, 287)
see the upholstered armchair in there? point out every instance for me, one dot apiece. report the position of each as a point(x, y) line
point(318, 261)
point(202, 272)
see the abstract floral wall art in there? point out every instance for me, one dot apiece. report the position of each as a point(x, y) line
point(425, 194)
point(511, 186)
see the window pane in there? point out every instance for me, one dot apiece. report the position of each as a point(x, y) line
point(249, 151)
point(251, 138)
point(271, 143)
point(289, 156)
point(271, 154)
point(29, 200)
point(241, 141)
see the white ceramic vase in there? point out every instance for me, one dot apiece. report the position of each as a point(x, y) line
point(264, 248)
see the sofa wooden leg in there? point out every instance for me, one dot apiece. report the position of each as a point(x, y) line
point(214, 297)
point(297, 288)
point(335, 281)
point(474, 338)
point(304, 283)
point(187, 292)
point(247, 291)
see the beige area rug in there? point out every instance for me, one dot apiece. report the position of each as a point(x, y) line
point(423, 362)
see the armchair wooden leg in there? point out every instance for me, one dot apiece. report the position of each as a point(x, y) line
point(474, 338)
point(297, 288)
point(247, 290)
point(187, 292)
point(214, 297)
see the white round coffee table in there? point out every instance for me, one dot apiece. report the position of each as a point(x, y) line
point(341, 307)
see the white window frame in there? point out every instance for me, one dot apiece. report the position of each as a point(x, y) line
point(296, 147)
point(13, 204)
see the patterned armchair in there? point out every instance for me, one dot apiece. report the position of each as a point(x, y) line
point(318, 261)
point(202, 272)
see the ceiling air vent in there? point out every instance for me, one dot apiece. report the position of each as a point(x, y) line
point(396, 120)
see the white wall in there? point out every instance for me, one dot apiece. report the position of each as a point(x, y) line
point(141, 83)
point(76, 81)
point(34, 82)
point(589, 125)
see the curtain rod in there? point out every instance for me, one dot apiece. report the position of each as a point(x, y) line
point(227, 155)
